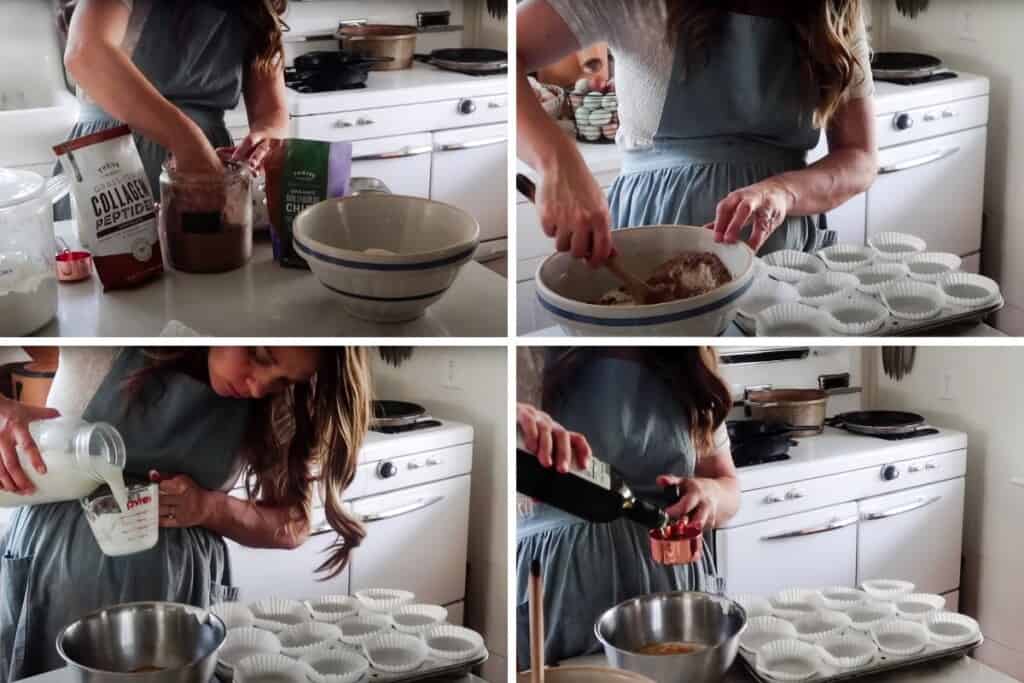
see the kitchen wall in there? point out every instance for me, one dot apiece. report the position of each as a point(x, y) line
point(314, 15)
point(978, 390)
point(468, 385)
point(983, 38)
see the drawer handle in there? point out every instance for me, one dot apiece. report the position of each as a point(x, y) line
point(920, 161)
point(401, 510)
point(813, 531)
point(397, 154)
point(901, 509)
point(362, 121)
point(474, 144)
point(495, 105)
point(343, 124)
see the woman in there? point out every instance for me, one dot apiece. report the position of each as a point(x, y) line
point(566, 72)
point(719, 102)
point(656, 416)
point(196, 420)
point(171, 69)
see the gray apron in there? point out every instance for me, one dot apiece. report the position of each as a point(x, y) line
point(52, 571)
point(195, 57)
point(632, 423)
point(733, 122)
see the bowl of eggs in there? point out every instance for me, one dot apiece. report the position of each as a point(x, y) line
point(595, 112)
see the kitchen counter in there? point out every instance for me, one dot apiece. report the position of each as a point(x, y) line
point(263, 299)
point(981, 330)
point(65, 676)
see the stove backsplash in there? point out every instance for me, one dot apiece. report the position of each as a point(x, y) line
point(801, 374)
point(315, 15)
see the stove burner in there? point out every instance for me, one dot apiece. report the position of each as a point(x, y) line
point(411, 427)
point(933, 78)
point(916, 434)
point(306, 89)
point(741, 461)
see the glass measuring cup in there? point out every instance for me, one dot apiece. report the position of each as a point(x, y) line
point(131, 531)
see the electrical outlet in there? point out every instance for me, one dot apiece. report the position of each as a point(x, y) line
point(968, 29)
point(946, 392)
point(451, 379)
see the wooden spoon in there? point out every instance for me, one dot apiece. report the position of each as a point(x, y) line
point(641, 292)
point(536, 624)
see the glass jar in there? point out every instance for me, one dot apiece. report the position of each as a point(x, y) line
point(28, 251)
point(79, 456)
point(206, 221)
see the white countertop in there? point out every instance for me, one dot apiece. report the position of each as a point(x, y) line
point(815, 456)
point(262, 299)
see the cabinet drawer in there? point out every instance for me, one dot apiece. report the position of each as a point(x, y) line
point(401, 161)
point(428, 116)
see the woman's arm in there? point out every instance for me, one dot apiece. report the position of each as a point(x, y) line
point(849, 169)
point(95, 59)
point(183, 504)
point(266, 103)
point(571, 205)
point(712, 497)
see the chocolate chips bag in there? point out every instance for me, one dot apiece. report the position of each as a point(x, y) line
point(301, 173)
point(116, 212)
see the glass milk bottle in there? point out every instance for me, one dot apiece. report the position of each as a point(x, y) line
point(80, 457)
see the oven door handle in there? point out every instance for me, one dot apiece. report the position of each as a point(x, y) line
point(473, 144)
point(918, 162)
point(901, 509)
point(815, 530)
point(402, 510)
point(403, 153)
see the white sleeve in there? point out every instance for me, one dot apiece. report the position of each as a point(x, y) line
point(720, 439)
point(596, 21)
point(863, 84)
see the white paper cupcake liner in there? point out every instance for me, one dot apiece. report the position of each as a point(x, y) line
point(820, 289)
point(263, 668)
point(286, 612)
point(856, 315)
point(900, 637)
point(820, 625)
point(802, 599)
point(763, 630)
point(788, 660)
point(335, 666)
point(765, 293)
point(356, 630)
point(754, 605)
point(418, 618)
point(872, 279)
point(887, 590)
point(332, 608)
point(792, 266)
point(384, 599)
point(793, 320)
point(913, 300)
point(949, 628)
point(896, 246)
point(919, 606)
point(453, 642)
point(931, 266)
point(842, 598)
point(395, 652)
point(849, 651)
point(867, 615)
point(269, 626)
point(968, 290)
point(305, 638)
point(233, 614)
point(846, 258)
point(242, 643)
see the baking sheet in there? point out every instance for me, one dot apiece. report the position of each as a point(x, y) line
point(432, 668)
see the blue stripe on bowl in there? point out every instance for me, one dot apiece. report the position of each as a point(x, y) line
point(426, 265)
point(385, 299)
point(650, 320)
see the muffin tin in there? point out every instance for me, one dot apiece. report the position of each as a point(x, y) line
point(916, 295)
point(456, 650)
point(844, 652)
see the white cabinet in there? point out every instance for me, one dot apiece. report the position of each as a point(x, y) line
point(470, 171)
point(766, 557)
point(406, 531)
point(913, 535)
point(291, 574)
point(401, 161)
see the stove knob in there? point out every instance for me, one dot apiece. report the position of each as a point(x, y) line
point(904, 122)
point(890, 472)
point(387, 470)
point(467, 107)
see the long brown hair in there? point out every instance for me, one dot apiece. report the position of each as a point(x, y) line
point(825, 30)
point(691, 372)
point(263, 20)
point(311, 427)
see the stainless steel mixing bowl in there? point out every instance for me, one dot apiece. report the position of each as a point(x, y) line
point(143, 642)
point(712, 621)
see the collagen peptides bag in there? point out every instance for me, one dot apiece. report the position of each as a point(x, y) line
point(301, 173)
point(116, 212)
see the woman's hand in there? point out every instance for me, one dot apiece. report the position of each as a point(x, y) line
point(699, 502)
point(552, 443)
point(14, 420)
point(574, 210)
point(254, 148)
point(183, 503)
point(765, 205)
point(196, 155)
